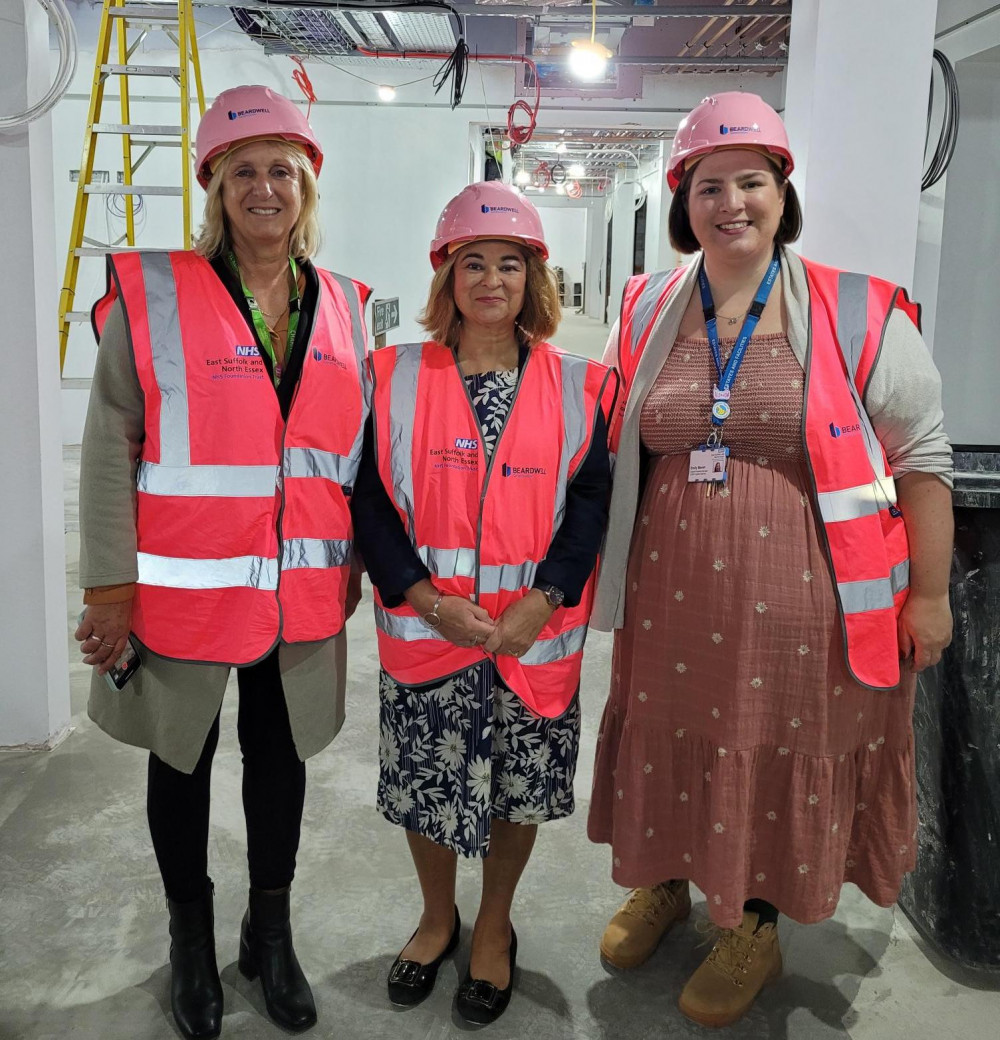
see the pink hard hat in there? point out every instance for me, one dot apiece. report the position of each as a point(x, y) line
point(248, 113)
point(729, 120)
point(488, 209)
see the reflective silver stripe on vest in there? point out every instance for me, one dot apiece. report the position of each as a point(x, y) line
point(316, 553)
point(642, 313)
point(350, 291)
point(461, 563)
point(234, 572)
point(852, 327)
point(402, 413)
point(546, 651)
point(313, 462)
point(402, 626)
point(857, 597)
point(169, 368)
point(575, 432)
point(207, 481)
point(850, 503)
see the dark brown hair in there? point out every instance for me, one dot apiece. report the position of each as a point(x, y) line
point(679, 223)
point(539, 317)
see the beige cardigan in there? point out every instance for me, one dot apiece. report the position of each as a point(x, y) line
point(169, 706)
point(903, 400)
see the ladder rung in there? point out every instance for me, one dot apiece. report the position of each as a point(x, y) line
point(78, 316)
point(130, 189)
point(138, 129)
point(141, 70)
point(145, 13)
point(104, 250)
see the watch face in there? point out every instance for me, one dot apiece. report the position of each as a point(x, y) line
point(554, 596)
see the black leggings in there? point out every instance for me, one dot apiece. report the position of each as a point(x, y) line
point(274, 787)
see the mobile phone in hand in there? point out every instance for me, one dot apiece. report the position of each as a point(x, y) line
point(125, 667)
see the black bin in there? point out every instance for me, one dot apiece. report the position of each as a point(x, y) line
point(953, 896)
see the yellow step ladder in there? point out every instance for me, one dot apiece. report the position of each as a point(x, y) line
point(131, 23)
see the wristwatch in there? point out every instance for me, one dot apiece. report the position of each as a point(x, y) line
point(554, 596)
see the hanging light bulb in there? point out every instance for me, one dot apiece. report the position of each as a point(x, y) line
point(588, 59)
point(522, 176)
point(576, 171)
point(562, 148)
point(386, 93)
point(560, 189)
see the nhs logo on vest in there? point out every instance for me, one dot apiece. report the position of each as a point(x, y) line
point(249, 350)
point(522, 471)
point(839, 431)
point(467, 443)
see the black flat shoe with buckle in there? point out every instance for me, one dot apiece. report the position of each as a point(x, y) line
point(479, 1001)
point(410, 982)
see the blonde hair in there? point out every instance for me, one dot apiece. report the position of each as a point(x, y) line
point(305, 238)
point(539, 317)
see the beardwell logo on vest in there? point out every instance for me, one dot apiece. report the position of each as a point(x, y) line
point(522, 471)
point(839, 431)
point(327, 359)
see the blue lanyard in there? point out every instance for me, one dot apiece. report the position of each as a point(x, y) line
point(720, 393)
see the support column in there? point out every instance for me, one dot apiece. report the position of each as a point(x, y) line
point(856, 110)
point(34, 686)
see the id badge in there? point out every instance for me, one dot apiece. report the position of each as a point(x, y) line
point(707, 464)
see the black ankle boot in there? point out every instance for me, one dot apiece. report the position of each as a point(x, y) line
point(266, 950)
point(195, 989)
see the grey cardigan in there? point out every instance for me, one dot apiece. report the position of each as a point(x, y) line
point(903, 401)
point(169, 706)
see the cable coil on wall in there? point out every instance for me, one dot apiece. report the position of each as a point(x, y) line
point(68, 51)
point(948, 137)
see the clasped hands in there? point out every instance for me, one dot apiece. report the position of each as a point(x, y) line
point(465, 623)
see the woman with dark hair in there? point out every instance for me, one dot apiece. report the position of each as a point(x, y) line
point(484, 494)
point(776, 571)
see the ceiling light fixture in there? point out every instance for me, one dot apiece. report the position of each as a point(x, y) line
point(560, 189)
point(576, 171)
point(562, 148)
point(588, 59)
point(386, 93)
point(522, 177)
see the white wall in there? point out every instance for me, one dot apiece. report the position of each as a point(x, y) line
point(566, 235)
point(968, 306)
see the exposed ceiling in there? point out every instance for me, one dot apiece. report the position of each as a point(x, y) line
point(702, 36)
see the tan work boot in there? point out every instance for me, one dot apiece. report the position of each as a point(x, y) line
point(644, 919)
point(726, 984)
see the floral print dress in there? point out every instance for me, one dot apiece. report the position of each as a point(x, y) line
point(455, 754)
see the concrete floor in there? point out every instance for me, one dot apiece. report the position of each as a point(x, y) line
point(83, 941)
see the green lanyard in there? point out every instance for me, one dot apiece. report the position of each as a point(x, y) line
point(263, 334)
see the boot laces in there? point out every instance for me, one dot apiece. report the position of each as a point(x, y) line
point(732, 951)
point(649, 904)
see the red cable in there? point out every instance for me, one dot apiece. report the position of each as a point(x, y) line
point(518, 134)
point(305, 83)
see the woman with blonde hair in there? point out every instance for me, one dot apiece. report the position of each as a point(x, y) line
point(216, 531)
point(484, 492)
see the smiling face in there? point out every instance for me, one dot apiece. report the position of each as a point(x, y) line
point(489, 283)
point(735, 204)
point(261, 196)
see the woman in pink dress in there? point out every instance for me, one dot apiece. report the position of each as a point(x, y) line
point(776, 572)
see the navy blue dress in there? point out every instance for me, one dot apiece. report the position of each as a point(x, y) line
point(456, 754)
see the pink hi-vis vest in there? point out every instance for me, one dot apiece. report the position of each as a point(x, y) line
point(482, 527)
point(853, 491)
point(243, 523)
